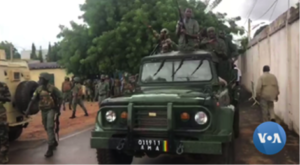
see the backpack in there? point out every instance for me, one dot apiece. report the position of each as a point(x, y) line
point(67, 86)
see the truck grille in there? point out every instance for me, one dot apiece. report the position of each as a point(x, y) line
point(150, 118)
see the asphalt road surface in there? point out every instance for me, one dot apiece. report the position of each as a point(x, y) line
point(75, 149)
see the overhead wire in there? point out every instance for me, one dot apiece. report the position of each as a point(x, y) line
point(275, 2)
point(250, 12)
point(270, 19)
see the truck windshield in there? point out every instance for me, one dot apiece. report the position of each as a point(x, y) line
point(176, 71)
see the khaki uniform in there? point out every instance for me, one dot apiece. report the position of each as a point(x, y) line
point(191, 28)
point(267, 90)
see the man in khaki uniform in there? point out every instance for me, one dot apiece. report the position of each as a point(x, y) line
point(267, 90)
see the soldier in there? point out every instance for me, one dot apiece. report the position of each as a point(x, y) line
point(67, 94)
point(165, 43)
point(127, 87)
point(117, 87)
point(188, 35)
point(4, 128)
point(50, 99)
point(88, 89)
point(231, 49)
point(107, 80)
point(216, 46)
point(267, 91)
point(77, 98)
point(102, 90)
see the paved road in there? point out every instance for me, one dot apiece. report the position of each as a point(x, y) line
point(75, 149)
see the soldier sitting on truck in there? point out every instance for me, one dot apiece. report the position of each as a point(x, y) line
point(215, 45)
point(165, 43)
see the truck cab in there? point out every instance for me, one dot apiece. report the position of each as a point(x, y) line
point(181, 108)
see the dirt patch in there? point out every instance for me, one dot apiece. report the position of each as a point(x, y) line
point(35, 129)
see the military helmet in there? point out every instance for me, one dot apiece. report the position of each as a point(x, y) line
point(164, 30)
point(45, 76)
point(76, 79)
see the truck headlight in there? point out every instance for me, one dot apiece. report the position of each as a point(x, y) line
point(201, 118)
point(110, 116)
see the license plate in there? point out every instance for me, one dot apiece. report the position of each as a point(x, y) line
point(152, 145)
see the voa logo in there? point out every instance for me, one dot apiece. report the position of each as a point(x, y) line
point(269, 138)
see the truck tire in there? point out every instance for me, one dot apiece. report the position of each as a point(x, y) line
point(15, 132)
point(236, 122)
point(106, 156)
point(228, 151)
point(23, 96)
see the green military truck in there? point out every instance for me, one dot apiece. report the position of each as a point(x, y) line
point(181, 108)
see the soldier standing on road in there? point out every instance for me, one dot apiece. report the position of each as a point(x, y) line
point(267, 91)
point(77, 98)
point(4, 128)
point(188, 35)
point(102, 90)
point(216, 46)
point(67, 94)
point(49, 98)
point(88, 89)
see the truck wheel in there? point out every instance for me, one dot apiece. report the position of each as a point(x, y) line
point(23, 96)
point(106, 156)
point(228, 152)
point(15, 132)
point(236, 122)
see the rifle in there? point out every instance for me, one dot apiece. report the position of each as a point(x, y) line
point(181, 21)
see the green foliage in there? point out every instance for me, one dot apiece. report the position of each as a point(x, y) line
point(53, 53)
point(33, 55)
point(116, 36)
point(40, 55)
point(5, 45)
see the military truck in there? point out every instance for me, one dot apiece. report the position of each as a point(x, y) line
point(181, 109)
point(16, 75)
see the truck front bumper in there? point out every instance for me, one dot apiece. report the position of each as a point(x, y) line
point(212, 144)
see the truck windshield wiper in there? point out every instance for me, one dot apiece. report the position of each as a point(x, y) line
point(180, 65)
point(200, 63)
point(160, 67)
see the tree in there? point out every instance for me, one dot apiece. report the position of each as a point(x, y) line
point(48, 56)
point(40, 56)
point(116, 36)
point(33, 55)
point(6, 46)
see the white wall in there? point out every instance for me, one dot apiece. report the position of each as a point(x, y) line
point(278, 47)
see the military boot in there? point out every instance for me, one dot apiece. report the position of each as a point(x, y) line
point(49, 152)
point(55, 145)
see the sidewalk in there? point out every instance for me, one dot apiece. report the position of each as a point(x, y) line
point(35, 129)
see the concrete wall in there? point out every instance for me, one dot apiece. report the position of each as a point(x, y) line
point(278, 47)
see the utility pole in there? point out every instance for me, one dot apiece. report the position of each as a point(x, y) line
point(249, 29)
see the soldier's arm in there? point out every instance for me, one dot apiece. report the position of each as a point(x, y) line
point(203, 43)
point(258, 87)
point(277, 85)
point(33, 98)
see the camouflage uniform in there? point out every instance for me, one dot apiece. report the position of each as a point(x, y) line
point(216, 46)
point(166, 44)
point(67, 94)
point(47, 106)
point(102, 90)
point(88, 90)
point(4, 128)
point(191, 28)
point(77, 93)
